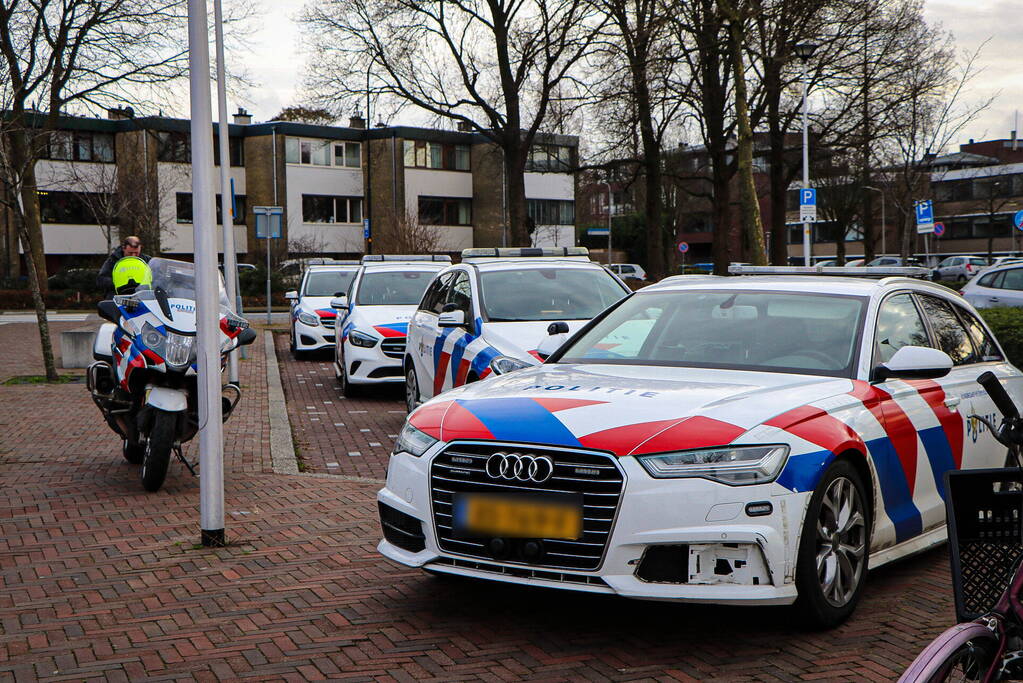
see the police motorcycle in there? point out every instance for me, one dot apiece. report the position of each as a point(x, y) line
point(144, 378)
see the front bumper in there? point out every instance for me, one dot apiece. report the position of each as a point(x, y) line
point(724, 555)
point(309, 338)
point(380, 364)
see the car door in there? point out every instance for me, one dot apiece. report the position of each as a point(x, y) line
point(450, 362)
point(1010, 289)
point(423, 332)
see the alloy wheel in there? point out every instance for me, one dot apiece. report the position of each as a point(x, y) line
point(411, 389)
point(841, 542)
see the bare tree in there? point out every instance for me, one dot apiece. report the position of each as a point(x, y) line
point(491, 65)
point(408, 235)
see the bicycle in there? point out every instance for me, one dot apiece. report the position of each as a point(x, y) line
point(985, 512)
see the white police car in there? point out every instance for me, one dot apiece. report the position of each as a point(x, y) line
point(490, 313)
point(751, 440)
point(375, 314)
point(312, 318)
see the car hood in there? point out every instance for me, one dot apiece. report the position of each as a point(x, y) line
point(387, 321)
point(521, 339)
point(627, 410)
point(319, 305)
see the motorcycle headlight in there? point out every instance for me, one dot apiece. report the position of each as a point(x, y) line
point(153, 338)
point(413, 441)
point(505, 364)
point(310, 319)
point(736, 466)
point(178, 349)
point(360, 339)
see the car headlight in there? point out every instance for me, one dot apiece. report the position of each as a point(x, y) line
point(505, 364)
point(738, 465)
point(310, 319)
point(360, 339)
point(413, 441)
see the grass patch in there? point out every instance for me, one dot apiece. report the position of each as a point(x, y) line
point(41, 379)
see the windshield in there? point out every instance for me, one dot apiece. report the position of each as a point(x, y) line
point(393, 288)
point(548, 293)
point(328, 282)
point(177, 279)
point(815, 334)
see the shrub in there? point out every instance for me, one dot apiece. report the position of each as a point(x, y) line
point(252, 281)
point(1007, 324)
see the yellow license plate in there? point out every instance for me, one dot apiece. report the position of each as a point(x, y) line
point(483, 515)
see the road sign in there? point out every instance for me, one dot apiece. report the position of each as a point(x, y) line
point(924, 217)
point(683, 247)
point(939, 229)
point(598, 232)
point(268, 221)
point(1017, 220)
point(365, 228)
point(808, 205)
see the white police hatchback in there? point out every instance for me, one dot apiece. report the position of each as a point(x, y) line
point(491, 313)
point(751, 440)
point(374, 317)
point(312, 318)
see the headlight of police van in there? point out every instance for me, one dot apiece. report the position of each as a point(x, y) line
point(310, 319)
point(412, 440)
point(178, 350)
point(736, 466)
point(361, 339)
point(504, 364)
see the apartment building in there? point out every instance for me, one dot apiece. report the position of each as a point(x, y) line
point(345, 190)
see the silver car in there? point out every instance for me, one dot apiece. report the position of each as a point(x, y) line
point(1000, 286)
point(959, 268)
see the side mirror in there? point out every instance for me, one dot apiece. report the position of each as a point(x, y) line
point(246, 337)
point(109, 311)
point(556, 336)
point(339, 302)
point(914, 362)
point(451, 319)
point(291, 296)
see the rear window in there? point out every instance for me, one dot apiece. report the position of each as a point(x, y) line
point(978, 262)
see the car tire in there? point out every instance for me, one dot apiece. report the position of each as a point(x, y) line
point(411, 388)
point(346, 388)
point(831, 564)
point(961, 279)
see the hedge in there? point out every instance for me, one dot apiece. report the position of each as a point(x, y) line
point(1007, 324)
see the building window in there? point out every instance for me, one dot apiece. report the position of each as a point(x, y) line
point(323, 153)
point(235, 148)
point(318, 208)
point(549, 159)
point(445, 211)
point(184, 208)
point(348, 154)
point(72, 208)
point(66, 145)
point(551, 211)
point(174, 146)
point(423, 154)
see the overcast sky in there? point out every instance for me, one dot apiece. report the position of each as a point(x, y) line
point(275, 58)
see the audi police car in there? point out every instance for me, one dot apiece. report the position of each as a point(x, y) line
point(374, 317)
point(312, 318)
point(749, 440)
point(490, 314)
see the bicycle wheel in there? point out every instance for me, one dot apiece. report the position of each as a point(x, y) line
point(964, 652)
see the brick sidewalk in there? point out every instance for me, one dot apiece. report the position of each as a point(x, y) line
point(99, 580)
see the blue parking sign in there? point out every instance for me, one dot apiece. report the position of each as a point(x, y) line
point(924, 217)
point(808, 197)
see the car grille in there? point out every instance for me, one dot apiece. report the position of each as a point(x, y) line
point(461, 468)
point(327, 322)
point(393, 348)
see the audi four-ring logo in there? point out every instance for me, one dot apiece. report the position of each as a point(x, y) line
point(516, 466)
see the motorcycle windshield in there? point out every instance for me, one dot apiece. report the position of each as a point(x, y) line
point(177, 279)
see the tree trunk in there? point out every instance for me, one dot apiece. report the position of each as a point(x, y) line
point(40, 306)
point(31, 232)
point(653, 201)
point(515, 197)
point(777, 177)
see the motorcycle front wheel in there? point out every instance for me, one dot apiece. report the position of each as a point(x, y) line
point(156, 459)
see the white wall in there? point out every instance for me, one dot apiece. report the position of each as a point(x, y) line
point(435, 183)
point(554, 236)
point(178, 237)
point(76, 176)
point(549, 186)
point(328, 237)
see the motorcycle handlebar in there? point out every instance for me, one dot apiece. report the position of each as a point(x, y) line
point(997, 392)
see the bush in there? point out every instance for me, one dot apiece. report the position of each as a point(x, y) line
point(252, 281)
point(21, 299)
point(1007, 324)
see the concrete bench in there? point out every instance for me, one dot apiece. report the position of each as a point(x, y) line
point(76, 346)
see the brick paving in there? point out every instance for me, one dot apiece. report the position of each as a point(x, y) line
point(101, 581)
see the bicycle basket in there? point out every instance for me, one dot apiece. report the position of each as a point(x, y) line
point(983, 508)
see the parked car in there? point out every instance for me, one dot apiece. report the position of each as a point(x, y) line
point(312, 318)
point(292, 270)
point(996, 286)
point(959, 268)
point(628, 271)
point(490, 313)
point(896, 261)
point(753, 440)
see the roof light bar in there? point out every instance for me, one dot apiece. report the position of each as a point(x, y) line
point(377, 258)
point(844, 271)
point(523, 252)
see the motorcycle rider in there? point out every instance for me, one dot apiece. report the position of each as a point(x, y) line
point(130, 246)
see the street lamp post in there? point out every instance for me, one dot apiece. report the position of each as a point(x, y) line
point(804, 51)
point(884, 225)
point(609, 204)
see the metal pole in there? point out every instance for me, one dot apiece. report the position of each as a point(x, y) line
point(211, 462)
point(806, 173)
point(366, 214)
point(609, 204)
point(226, 217)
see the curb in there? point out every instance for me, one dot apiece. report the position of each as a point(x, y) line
point(282, 448)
